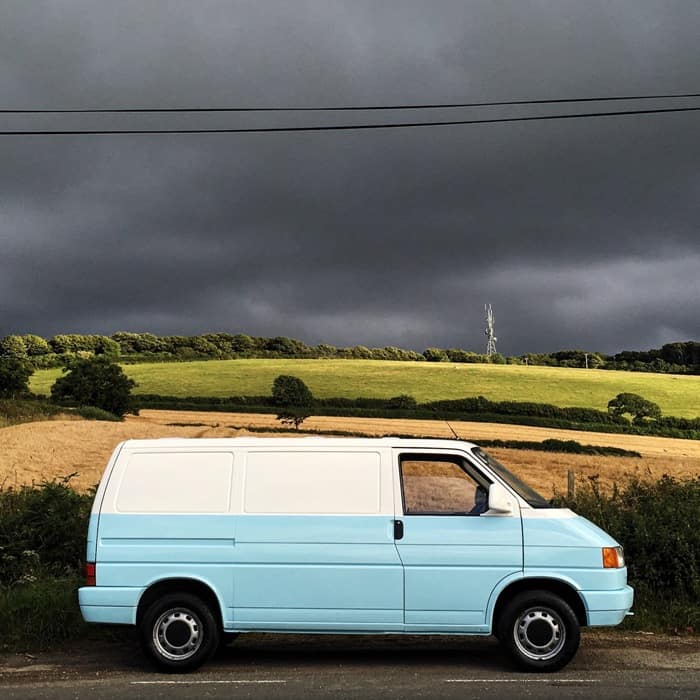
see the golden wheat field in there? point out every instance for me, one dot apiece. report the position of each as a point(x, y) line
point(31, 452)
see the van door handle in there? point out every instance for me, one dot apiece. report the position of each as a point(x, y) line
point(398, 529)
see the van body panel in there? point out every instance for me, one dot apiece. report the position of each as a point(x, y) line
point(311, 570)
point(118, 596)
point(615, 601)
point(166, 538)
point(453, 563)
point(108, 615)
point(562, 530)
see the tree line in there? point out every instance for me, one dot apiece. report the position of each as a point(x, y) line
point(39, 352)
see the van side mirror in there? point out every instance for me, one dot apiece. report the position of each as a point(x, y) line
point(501, 501)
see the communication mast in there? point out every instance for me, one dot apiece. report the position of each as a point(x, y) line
point(489, 332)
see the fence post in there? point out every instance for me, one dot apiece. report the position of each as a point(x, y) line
point(570, 484)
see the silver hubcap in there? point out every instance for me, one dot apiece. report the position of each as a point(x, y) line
point(177, 634)
point(539, 633)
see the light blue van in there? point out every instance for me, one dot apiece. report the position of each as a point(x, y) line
point(194, 541)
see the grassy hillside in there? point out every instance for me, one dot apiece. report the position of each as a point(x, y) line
point(677, 395)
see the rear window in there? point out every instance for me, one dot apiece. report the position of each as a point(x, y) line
point(186, 482)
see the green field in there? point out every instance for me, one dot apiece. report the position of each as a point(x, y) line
point(677, 395)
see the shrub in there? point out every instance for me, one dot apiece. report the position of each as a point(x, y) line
point(94, 413)
point(13, 411)
point(42, 531)
point(404, 401)
point(14, 377)
point(95, 382)
point(658, 523)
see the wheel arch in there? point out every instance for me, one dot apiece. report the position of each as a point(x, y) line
point(194, 586)
point(564, 589)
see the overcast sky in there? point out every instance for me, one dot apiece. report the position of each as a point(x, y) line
point(580, 233)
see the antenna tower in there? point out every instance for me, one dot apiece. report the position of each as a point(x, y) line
point(489, 332)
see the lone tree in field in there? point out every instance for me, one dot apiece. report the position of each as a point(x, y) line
point(95, 382)
point(294, 399)
point(14, 377)
point(636, 406)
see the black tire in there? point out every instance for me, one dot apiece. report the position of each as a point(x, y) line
point(179, 632)
point(539, 631)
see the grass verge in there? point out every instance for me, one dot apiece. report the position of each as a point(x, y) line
point(40, 614)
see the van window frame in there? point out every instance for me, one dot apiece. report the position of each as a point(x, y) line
point(458, 458)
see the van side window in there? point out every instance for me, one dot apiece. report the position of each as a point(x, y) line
point(439, 485)
point(321, 483)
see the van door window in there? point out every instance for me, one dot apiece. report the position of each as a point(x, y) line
point(440, 485)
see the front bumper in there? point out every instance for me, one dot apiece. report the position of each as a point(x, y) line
point(607, 607)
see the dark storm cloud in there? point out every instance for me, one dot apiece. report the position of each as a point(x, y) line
point(579, 233)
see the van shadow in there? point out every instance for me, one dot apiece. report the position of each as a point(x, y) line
point(268, 651)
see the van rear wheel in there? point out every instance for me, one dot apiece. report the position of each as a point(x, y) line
point(540, 631)
point(179, 632)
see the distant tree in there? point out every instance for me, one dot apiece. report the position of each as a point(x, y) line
point(458, 355)
point(325, 350)
point(14, 377)
point(106, 346)
point(241, 343)
point(291, 391)
point(293, 416)
point(13, 346)
point(223, 342)
point(434, 355)
point(360, 352)
point(126, 341)
point(294, 399)
point(282, 345)
point(35, 345)
point(96, 381)
point(634, 405)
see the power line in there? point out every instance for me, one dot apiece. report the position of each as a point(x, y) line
point(345, 127)
point(348, 108)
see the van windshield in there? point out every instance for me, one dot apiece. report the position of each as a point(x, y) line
point(520, 487)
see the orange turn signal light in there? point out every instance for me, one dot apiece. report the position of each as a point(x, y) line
point(613, 558)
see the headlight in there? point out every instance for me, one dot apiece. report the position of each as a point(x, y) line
point(613, 557)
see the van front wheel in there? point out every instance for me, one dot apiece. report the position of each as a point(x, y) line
point(540, 631)
point(179, 632)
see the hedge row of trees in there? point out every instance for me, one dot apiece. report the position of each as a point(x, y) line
point(133, 347)
point(627, 413)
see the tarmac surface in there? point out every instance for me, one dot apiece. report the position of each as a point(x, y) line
point(619, 665)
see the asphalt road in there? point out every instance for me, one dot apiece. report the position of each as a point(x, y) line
point(294, 666)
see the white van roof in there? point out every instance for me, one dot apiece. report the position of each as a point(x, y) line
point(414, 443)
